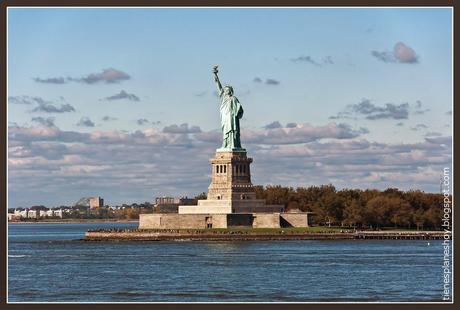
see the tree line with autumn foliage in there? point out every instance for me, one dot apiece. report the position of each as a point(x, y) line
point(360, 208)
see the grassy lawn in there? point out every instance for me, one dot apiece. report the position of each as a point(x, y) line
point(284, 230)
point(315, 229)
point(250, 230)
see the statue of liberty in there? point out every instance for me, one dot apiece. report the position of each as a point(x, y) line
point(230, 113)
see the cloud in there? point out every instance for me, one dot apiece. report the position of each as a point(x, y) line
point(85, 122)
point(357, 163)
point(51, 166)
point(418, 109)
point(372, 112)
point(109, 118)
point(419, 127)
point(142, 121)
point(123, 95)
point(109, 76)
point(328, 60)
point(302, 133)
point(25, 100)
point(307, 59)
point(404, 53)
point(342, 115)
point(400, 124)
point(291, 125)
point(43, 105)
point(276, 134)
point(272, 82)
point(43, 133)
point(48, 107)
point(49, 121)
point(201, 94)
point(444, 140)
point(433, 134)
point(52, 80)
point(273, 125)
point(384, 56)
point(182, 129)
point(268, 81)
point(401, 53)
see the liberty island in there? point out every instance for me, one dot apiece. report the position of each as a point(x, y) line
point(231, 199)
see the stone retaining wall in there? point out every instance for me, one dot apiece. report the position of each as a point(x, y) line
point(266, 220)
point(200, 221)
point(294, 219)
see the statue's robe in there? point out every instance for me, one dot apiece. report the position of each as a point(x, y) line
point(230, 113)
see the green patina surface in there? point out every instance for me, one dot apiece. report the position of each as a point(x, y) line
point(231, 111)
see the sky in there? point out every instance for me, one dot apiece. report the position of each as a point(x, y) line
point(121, 103)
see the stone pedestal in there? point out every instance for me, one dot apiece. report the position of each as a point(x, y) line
point(231, 189)
point(231, 176)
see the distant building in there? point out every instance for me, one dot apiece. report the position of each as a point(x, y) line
point(13, 217)
point(173, 201)
point(96, 202)
point(52, 213)
point(20, 213)
point(33, 214)
point(170, 204)
point(166, 201)
point(58, 213)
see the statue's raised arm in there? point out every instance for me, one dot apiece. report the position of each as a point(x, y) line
point(216, 79)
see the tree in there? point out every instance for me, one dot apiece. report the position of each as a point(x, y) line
point(260, 192)
point(353, 213)
point(433, 216)
point(393, 192)
point(329, 208)
point(419, 218)
point(356, 207)
point(417, 199)
point(402, 212)
point(131, 213)
point(201, 196)
point(278, 195)
point(378, 211)
point(292, 205)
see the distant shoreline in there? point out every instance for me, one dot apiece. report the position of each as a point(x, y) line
point(78, 222)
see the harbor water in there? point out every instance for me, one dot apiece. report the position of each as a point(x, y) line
point(50, 263)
